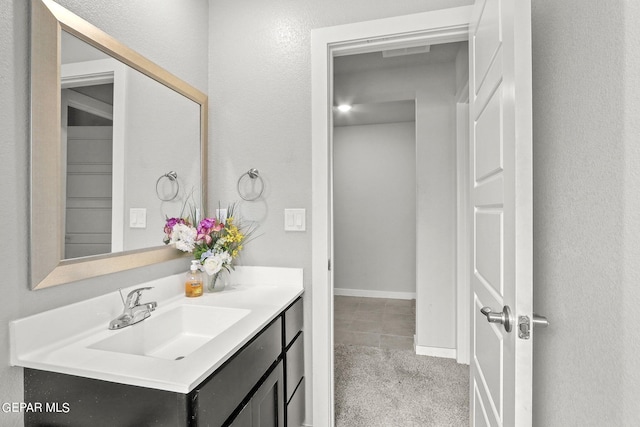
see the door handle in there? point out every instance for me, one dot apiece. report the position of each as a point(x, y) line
point(540, 321)
point(503, 317)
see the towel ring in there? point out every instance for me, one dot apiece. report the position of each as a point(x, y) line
point(253, 174)
point(173, 177)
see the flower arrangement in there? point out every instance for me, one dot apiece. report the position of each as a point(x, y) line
point(215, 242)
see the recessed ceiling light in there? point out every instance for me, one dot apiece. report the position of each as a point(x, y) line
point(344, 108)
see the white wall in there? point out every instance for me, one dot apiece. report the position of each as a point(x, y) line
point(375, 209)
point(436, 227)
point(162, 134)
point(171, 33)
point(462, 67)
point(631, 241)
point(586, 104)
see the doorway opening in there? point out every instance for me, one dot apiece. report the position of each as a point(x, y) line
point(394, 33)
point(394, 173)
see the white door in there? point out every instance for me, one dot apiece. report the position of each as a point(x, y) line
point(501, 200)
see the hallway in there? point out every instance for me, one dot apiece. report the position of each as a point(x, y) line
point(374, 322)
point(380, 381)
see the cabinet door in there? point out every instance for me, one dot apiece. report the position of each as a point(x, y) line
point(244, 417)
point(267, 404)
point(295, 407)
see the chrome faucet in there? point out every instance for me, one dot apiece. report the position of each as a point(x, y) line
point(134, 312)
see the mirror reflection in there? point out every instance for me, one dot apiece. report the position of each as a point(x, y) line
point(130, 153)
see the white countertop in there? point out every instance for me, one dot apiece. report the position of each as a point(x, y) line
point(58, 340)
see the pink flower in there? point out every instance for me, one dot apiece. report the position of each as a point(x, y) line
point(206, 227)
point(171, 222)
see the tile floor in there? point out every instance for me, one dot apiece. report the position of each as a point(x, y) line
point(374, 322)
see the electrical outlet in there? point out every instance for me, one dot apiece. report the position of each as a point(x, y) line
point(221, 214)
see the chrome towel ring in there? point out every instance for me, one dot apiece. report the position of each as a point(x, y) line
point(173, 177)
point(253, 174)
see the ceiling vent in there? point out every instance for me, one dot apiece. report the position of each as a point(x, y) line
point(405, 51)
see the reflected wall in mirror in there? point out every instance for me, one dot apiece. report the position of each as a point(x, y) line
point(110, 131)
point(119, 130)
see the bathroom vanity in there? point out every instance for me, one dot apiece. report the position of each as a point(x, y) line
point(249, 370)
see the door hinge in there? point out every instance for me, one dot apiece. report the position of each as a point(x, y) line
point(329, 264)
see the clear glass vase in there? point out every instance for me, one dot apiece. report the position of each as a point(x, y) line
point(217, 282)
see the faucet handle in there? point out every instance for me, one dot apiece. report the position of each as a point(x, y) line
point(133, 298)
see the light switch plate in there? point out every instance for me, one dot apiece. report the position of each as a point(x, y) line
point(137, 218)
point(294, 220)
point(221, 214)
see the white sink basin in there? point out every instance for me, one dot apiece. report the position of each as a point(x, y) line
point(172, 335)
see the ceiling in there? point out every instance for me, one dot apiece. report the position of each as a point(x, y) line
point(439, 53)
point(374, 113)
point(386, 112)
point(75, 50)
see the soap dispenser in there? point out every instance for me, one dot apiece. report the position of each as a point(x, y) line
point(193, 285)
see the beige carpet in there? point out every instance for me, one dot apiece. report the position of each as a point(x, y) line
point(396, 388)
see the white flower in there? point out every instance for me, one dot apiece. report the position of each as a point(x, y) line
point(212, 264)
point(184, 237)
point(215, 263)
point(226, 258)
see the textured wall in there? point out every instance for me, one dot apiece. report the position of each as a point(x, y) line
point(586, 204)
point(631, 278)
point(171, 33)
point(586, 93)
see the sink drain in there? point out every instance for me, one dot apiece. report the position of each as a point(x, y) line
point(179, 358)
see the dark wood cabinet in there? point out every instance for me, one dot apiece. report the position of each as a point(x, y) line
point(257, 387)
point(217, 398)
point(294, 364)
point(266, 406)
point(98, 403)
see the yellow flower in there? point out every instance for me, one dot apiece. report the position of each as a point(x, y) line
point(234, 235)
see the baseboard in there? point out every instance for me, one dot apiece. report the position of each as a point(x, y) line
point(373, 294)
point(449, 353)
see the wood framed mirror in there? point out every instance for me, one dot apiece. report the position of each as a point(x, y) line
point(150, 143)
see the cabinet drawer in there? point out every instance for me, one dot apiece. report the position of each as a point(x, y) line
point(292, 321)
point(295, 365)
point(216, 399)
point(295, 408)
